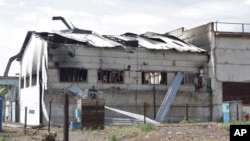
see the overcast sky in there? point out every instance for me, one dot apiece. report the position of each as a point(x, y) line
point(109, 17)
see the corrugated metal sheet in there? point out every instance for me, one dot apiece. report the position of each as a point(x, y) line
point(169, 98)
point(93, 39)
point(157, 41)
point(147, 40)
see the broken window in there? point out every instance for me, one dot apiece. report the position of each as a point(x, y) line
point(33, 79)
point(27, 81)
point(73, 75)
point(110, 76)
point(22, 82)
point(154, 77)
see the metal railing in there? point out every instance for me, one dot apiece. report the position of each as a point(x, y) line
point(232, 27)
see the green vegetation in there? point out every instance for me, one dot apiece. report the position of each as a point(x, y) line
point(116, 133)
point(5, 90)
point(226, 126)
point(147, 127)
point(112, 136)
point(2, 138)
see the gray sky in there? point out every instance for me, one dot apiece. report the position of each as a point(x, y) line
point(109, 17)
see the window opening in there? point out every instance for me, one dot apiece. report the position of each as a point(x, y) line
point(110, 76)
point(73, 75)
point(154, 77)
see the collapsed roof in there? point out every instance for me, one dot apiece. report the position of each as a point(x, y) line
point(148, 40)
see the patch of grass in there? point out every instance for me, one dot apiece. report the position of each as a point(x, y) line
point(226, 126)
point(2, 138)
point(147, 127)
point(113, 136)
point(115, 133)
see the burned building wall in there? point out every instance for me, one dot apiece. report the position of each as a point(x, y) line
point(127, 76)
point(33, 77)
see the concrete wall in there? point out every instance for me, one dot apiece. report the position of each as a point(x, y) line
point(232, 58)
point(94, 59)
point(133, 101)
point(200, 36)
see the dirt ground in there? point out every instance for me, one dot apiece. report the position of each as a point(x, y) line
point(164, 132)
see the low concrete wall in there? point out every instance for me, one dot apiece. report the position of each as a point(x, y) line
point(196, 104)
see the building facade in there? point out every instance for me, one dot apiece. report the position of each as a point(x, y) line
point(126, 70)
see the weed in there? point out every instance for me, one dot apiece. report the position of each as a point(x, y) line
point(225, 126)
point(147, 127)
point(112, 136)
point(2, 138)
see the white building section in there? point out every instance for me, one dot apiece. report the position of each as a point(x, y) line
point(34, 62)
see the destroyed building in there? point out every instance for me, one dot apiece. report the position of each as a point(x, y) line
point(126, 70)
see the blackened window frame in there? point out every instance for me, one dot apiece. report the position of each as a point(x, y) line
point(27, 81)
point(111, 76)
point(33, 79)
point(70, 74)
point(22, 82)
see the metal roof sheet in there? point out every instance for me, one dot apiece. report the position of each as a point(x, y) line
point(156, 41)
point(93, 39)
point(147, 40)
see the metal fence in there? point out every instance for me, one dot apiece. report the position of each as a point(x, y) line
point(232, 27)
point(177, 113)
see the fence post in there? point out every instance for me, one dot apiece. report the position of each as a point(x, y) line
point(96, 112)
point(66, 117)
point(237, 111)
point(154, 103)
point(49, 115)
point(187, 111)
point(25, 120)
point(144, 111)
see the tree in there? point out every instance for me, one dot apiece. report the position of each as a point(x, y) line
point(4, 90)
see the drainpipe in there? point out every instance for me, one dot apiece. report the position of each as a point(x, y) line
point(9, 64)
point(154, 103)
